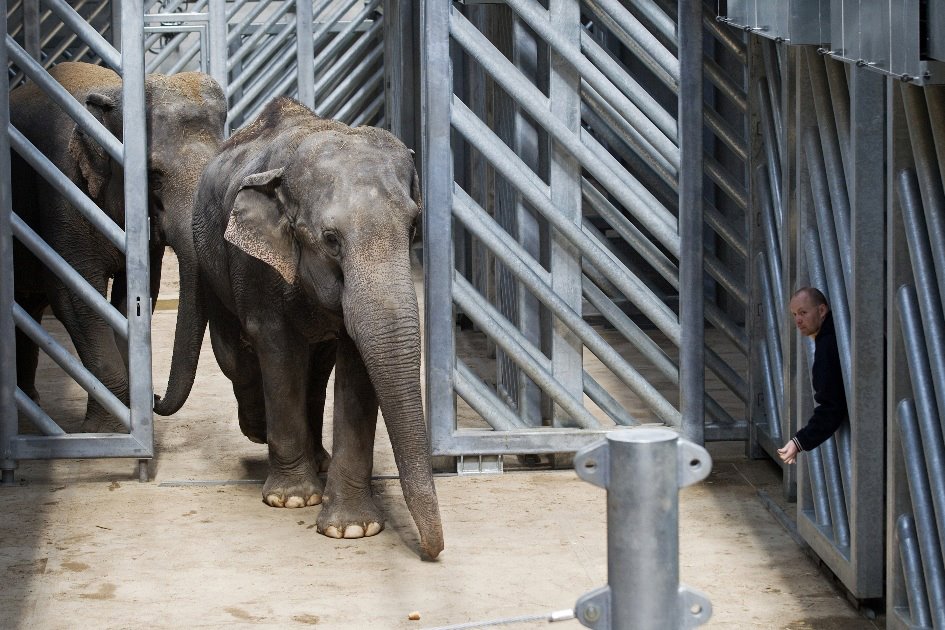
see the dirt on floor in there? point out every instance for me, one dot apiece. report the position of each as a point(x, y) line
point(85, 544)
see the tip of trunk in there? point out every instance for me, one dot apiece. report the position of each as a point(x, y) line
point(431, 543)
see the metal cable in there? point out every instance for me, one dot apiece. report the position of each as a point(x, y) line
point(560, 615)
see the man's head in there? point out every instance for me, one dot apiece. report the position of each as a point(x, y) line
point(809, 309)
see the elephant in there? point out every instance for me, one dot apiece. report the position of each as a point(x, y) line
point(302, 228)
point(185, 116)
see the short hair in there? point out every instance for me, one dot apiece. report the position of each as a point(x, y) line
point(813, 294)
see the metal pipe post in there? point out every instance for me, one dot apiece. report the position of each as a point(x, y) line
point(691, 294)
point(8, 415)
point(218, 47)
point(137, 228)
point(305, 48)
point(912, 572)
point(642, 471)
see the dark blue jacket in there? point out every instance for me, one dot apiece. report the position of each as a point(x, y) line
point(829, 394)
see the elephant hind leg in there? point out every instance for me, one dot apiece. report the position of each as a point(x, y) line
point(239, 364)
point(27, 352)
point(321, 363)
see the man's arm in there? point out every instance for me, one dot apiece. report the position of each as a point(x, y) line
point(830, 399)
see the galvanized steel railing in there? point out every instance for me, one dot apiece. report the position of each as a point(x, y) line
point(53, 442)
point(916, 572)
point(561, 189)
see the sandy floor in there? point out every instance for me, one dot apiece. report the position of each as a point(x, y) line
point(84, 544)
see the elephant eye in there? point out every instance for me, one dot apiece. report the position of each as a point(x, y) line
point(156, 178)
point(332, 242)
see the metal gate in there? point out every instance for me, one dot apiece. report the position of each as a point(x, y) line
point(71, 31)
point(563, 192)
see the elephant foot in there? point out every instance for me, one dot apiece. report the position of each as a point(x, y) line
point(292, 491)
point(349, 519)
point(97, 420)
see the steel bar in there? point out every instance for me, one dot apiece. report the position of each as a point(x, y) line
point(484, 401)
point(772, 409)
point(474, 218)
point(235, 37)
point(818, 489)
point(840, 104)
point(253, 61)
point(773, 101)
point(835, 493)
point(734, 237)
point(361, 98)
point(607, 403)
point(88, 34)
point(80, 446)
point(173, 46)
point(305, 50)
point(506, 162)
point(71, 278)
point(772, 159)
point(619, 76)
point(369, 114)
point(929, 180)
point(770, 236)
point(342, 40)
point(66, 43)
point(724, 131)
point(71, 365)
point(357, 84)
point(65, 100)
point(929, 299)
point(833, 173)
point(437, 178)
point(724, 84)
point(642, 471)
point(923, 484)
point(8, 417)
point(772, 331)
point(692, 350)
point(68, 189)
point(726, 37)
point(343, 64)
point(571, 54)
point(658, 18)
point(725, 181)
point(261, 83)
point(252, 45)
point(935, 101)
point(632, 34)
point(923, 390)
point(911, 560)
point(36, 415)
point(830, 250)
point(516, 346)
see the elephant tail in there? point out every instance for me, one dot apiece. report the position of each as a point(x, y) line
point(188, 337)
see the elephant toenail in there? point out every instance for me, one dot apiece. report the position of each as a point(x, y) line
point(295, 502)
point(315, 499)
point(332, 532)
point(275, 500)
point(373, 528)
point(354, 531)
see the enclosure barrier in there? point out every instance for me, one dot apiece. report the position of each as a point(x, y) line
point(642, 470)
point(52, 441)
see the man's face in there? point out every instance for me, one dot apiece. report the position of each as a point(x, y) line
point(808, 317)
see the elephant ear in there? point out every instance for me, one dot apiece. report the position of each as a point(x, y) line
point(415, 193)
point(88, 155)
point(258, 226)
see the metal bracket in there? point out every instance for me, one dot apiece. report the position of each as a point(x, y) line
point(694, 607)
point(694, 462)
point(592, 463)
point(479, 465)
point(593, 609)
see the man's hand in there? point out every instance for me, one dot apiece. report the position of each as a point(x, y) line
point(788, 453)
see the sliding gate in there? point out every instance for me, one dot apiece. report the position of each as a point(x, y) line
point(563, 225)
point(46, 438)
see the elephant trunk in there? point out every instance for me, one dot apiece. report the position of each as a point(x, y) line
point(382, 318)
point(192, 314)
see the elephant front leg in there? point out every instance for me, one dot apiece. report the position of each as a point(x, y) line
point(349, 510)
point(293, 472)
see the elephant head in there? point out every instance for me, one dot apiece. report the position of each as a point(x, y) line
point(335, 217)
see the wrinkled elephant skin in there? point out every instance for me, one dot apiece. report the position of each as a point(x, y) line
point(185, 114)
point(302, 228)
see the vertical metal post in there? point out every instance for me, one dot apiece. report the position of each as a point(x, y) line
point(305, 47)
point(642, 471)
point(863, 474)
point(564, 92)
point(137, 226)
point(399, 69)
point(912, 572)
point(691, 293)
point(31, 30)
point(8, 415)
point(116, 25)
point(218, 48)
point(437, 217)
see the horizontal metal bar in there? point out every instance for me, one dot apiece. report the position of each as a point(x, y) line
point(67, 188)
point(36, 415)
point(483, 400)
point(175, 18)
point(71, 365)
point(726, 433)
point(70, 277)
point(79, 446)
point(543, 440)
point(59, 95)
point(85, 30)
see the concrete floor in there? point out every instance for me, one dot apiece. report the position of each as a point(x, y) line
point(84, 544)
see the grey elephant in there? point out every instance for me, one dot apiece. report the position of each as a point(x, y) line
point(302, 228)
point(185, 119)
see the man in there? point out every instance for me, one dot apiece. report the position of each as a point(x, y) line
point(813, 318)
